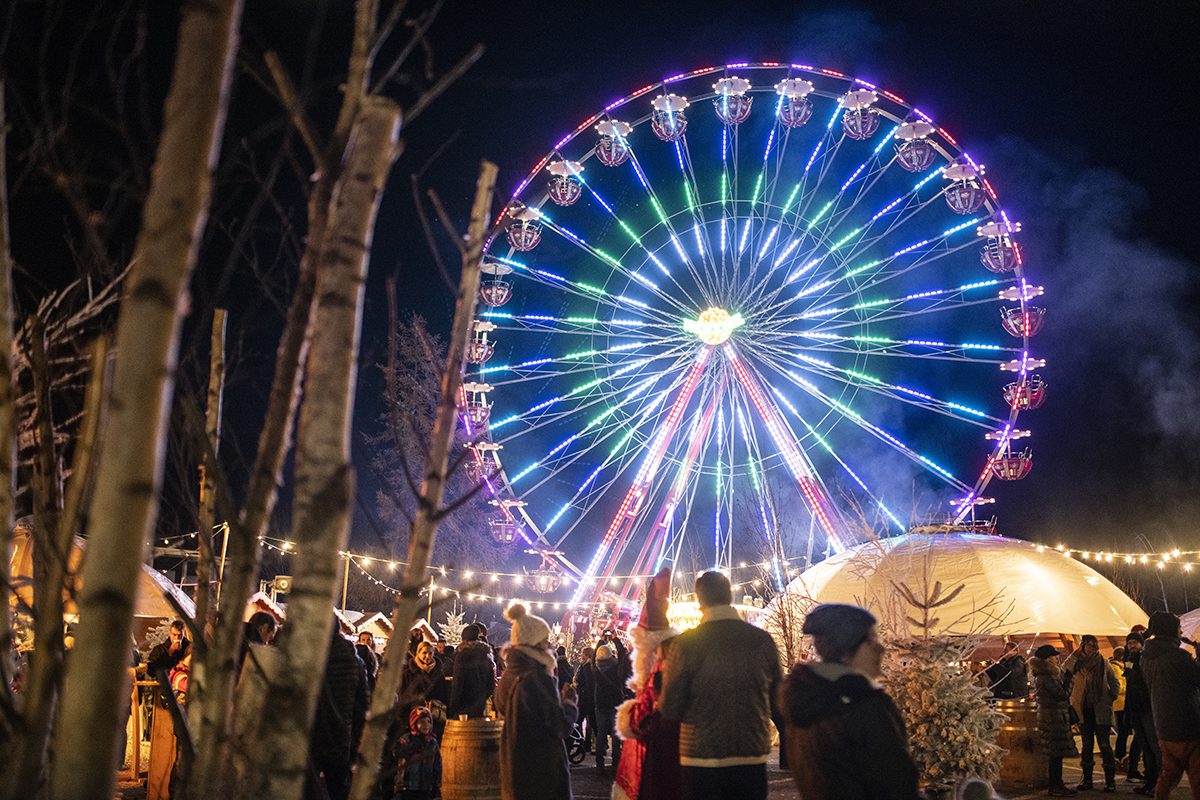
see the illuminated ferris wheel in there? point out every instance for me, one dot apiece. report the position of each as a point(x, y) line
point(741, 282)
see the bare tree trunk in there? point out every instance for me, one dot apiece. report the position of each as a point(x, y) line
point(429, 505)
point(130, 469)
point(276, 755)
point(208, 499)
point(8, 432)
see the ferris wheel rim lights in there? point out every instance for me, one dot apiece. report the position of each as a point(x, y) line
point(861, 107)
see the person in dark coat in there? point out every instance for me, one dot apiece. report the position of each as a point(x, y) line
point(1053, 716)
point(533, 752)
point(341, 709)
point(1173, 678)
point(1139, 717)
point(1094, 688)
point(1008, 677)
point(446, 654)
point(608, 693)
point(564, 670)
point(165, 656)
point(365, 647)
point(474, 675)
point(586, 690)
point(719, 683)
point(845, 736)
point(423, 680)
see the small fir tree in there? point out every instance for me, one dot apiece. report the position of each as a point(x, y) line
point(951, 727)
point(452, 628)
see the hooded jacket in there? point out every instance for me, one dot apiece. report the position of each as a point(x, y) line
point(1173, 677)
point(845, 737)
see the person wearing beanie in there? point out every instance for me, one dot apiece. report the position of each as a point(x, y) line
point(1173, 677)
point(1094, 687)
point(1053, 716)
point(845, 736)
point(474, 678)
point(1139, 718)
point(649, 762)
point(418, 759)
point(537, 723)
point(719, 683)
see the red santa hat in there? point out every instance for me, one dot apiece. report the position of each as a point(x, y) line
point(654, 609)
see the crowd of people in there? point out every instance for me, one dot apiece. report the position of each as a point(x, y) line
point(1149, 688)
point(689, 715)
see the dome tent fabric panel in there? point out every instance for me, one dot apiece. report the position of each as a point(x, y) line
point(1034, 591)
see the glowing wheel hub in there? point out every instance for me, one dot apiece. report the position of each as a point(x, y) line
point(714, 326)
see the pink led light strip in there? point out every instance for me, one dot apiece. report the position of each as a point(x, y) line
point(623, 521)
point(796, 461)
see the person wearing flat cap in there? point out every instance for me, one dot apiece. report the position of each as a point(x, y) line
point(845, 736)
point(1053, 716)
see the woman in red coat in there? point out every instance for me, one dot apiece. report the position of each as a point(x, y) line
point(649, 767)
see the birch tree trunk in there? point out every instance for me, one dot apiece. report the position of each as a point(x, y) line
point(8, 429)
point(25, 775)
point(125, 505)
point(8, 432)
point(274, 757)
point(208, 501)
point(429, 505)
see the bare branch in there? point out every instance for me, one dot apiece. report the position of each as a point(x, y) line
point(290, 99)
point(427, 230)
point(443, 83)
point(447, 223)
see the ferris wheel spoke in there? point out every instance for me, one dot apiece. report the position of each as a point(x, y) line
point(898, 211)
point(904, 394)
point(695, 202)
point(874, 273)
point(619, 303)
point(848, 413)
point(540, 414)
point(638, 239)
point(673, 235)
point(599, 429)
point(617, 266)
point(828, 448)
point(911, 304)
point(570, 363)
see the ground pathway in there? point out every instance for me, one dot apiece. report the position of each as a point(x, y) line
point(588, 784)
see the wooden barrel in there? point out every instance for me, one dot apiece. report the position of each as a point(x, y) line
point(1023, 765)
point(471, 759)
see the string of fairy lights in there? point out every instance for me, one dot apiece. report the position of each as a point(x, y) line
point(1162, 560)
point(495, 580)
point(488, 585)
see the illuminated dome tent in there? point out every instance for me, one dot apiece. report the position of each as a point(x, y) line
point(150, 602)
point(1039, 592)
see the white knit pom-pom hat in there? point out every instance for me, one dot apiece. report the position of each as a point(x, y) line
point(527, 629)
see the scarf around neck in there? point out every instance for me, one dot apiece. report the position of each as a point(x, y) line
point(1091, 669)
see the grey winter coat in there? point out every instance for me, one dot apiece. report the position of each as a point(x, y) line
point(1174, 680)
point(1053, 715)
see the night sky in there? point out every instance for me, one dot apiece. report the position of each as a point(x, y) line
point(1083, 113)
